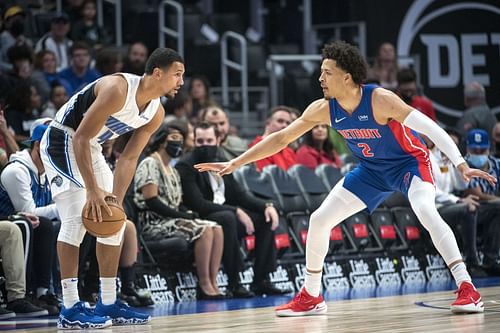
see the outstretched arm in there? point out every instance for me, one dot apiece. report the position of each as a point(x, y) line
point(387, 106)
point(316, 113)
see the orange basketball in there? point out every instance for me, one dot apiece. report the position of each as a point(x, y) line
point(110, 225)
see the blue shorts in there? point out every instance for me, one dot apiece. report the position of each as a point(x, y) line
point(373, 187)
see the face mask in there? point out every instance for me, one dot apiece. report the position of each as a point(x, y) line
point(205, 154)
point(174, 148)
point(17, 28)
point(477, 161)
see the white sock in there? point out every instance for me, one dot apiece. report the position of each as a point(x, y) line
point(41, 291)
point(312, 283)
point(70, 292)
point(108, 290)
point(460, 274)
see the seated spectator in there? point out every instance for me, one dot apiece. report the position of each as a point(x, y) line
point(45, 66)
point(13, 35)
point(24, 188)
point(21, 59)
point(496, 140)
point(460, 212)
point(477, 114)
point(23, 109)
point(79, 74)
point(57, 41)
point(231, 146)
point(8, 143)
point(317, 149)
point(108, 61)
point(478, 156)
point(240, 214)
point(407, 90)
point(58, 97)
point(199, 90)
point(178, 108)
point(86, 28)
point(278, 119)
point(158, 193)
point(12, 255)
point(385, 68)
point(135, 62)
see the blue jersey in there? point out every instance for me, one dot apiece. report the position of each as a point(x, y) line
point(390, 155)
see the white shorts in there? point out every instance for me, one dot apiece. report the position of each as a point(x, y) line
point(67, 185)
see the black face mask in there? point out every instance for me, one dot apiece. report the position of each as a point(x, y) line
point(17, 28)
point(407, 98)
point(174, 148)
point(205, 154)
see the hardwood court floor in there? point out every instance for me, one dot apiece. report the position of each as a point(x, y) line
point(407, 313)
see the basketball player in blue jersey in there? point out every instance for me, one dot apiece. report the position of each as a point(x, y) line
point(78, 174)
point(379, 128)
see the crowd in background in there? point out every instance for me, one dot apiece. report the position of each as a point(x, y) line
point(212, 214)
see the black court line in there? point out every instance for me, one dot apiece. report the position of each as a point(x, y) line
point(489, 306)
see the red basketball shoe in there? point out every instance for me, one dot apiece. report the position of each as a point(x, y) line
point(302, 304)
point(468, 300)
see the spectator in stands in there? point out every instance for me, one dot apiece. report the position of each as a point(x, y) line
point(240, 214)
point(12, 254)
point(13, 35)
point(108, 61)
point(385, 68)
point(25, 188)
point(478, 114)
point(79, 74)
point(460, 212)
point(56, 40)
point(158, 193)
point(317, 149)
point(46, 65)
point(136, 58)
point(278, 119)
point(199, 89)
point(408, 91)
point(21, 59)
point(178, 108)
point(231, 146)
point(8, 142)
point(478, 156)
point(22, 109)
point(496, 139)
point(86, 28)
point(74, 9)
point(58, 97)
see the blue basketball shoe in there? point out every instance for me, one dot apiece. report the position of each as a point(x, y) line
point(121, 314)
point(80, 317)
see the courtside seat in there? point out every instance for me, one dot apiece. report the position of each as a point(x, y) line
point(362, 233)
point(312, 188)
point(412, 230)
point(328, 174)
point(286, 190)
point(386, 230)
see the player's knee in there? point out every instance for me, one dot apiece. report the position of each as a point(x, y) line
point(72, 231)
point(114, 240)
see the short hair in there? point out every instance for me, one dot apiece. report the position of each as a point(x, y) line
point(406, 75)
point(204, 126)
point(278, 108)
point(79, 46)
point(161, 134)
point(162, 58)
point(213, 109)
point(173, 104)
point(348, 58)
point(38, 63)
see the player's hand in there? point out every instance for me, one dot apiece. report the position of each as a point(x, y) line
point(272, 216)
point(222, 168)
point(469, 173)
point(246, 220)
point(95, 200)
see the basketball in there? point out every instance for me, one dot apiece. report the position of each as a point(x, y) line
point(110, 225)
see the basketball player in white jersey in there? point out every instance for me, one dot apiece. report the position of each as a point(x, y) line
point(78, 174)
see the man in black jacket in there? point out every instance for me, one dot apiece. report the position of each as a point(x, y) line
point(238, 212)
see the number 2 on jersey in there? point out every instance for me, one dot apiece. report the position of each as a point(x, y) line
point(367, 152)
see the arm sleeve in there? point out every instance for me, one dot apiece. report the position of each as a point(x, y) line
point(422, 124)
point(157, 206)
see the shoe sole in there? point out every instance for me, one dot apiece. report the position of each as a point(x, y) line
point(468, 308)
point(32, 314)
point(133, 321)
point(319, 310)
point(7, 316)
point(80, 325)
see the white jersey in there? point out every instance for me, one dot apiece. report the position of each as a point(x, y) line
point(119, 123)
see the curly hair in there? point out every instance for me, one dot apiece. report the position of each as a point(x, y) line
point(348, 59)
